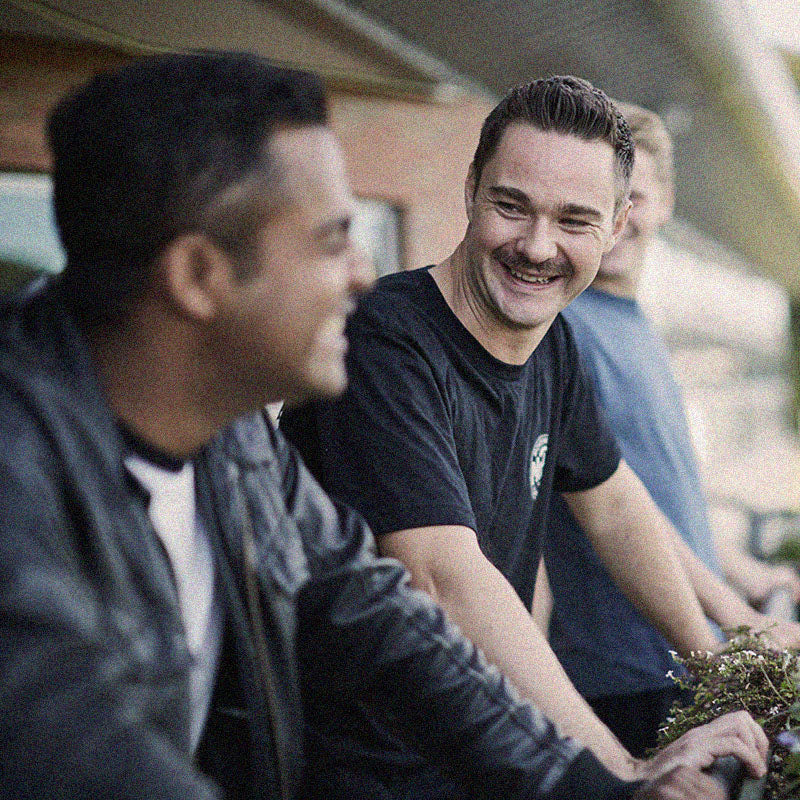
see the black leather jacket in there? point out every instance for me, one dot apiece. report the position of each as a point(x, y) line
point(93, 661)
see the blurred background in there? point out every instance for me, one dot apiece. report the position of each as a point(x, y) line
point(409, 84)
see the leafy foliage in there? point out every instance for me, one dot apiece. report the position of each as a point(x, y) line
point(788, 551)
point(747, 675)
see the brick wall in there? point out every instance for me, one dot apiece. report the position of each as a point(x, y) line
point(414, 154)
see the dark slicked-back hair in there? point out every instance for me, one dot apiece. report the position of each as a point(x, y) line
point(564, 104)
point(163, 147)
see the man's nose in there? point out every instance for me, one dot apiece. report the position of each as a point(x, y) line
point(538, 242)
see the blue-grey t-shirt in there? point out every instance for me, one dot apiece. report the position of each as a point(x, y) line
point(605, 645)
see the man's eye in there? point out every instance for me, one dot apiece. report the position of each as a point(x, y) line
point(572, 222)
point(335, 243)
point(508, 208)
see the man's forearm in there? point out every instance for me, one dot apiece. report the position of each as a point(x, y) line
point(718, 600)
point(364, 630)
point(486, 608)
point(492, 616)
point(635, 542)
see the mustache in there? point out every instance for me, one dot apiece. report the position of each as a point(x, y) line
point(521, 263)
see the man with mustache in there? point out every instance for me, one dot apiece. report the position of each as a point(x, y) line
point(468, 407)
point(613, 656)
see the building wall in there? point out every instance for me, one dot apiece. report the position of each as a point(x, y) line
point(34, 73)
point(412, 153)
point(416, 155)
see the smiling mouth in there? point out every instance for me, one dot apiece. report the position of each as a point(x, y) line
point(533, 280)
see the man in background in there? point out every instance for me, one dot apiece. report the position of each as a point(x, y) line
point(615, 658)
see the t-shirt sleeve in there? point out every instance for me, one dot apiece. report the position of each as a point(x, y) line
point(589, 453)
point(386, 447)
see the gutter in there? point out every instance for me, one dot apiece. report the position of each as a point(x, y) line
point(749, 79)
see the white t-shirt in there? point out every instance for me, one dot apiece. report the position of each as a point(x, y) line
point(174, 516)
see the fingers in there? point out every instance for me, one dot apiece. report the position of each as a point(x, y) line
point(682, 783)
point(746, 728)
point(732, 734)
point(781, 635)
point(738, 734)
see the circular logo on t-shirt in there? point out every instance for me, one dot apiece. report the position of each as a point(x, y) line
point(538, 456)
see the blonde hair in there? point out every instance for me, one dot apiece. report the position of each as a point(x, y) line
point(650, 134)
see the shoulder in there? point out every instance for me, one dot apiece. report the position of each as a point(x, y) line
point(589, 311)
point(400, 301)
point(598, 323)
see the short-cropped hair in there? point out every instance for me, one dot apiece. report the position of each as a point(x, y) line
point(564, 104)
point(143, 154)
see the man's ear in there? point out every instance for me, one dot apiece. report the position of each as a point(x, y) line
point(195, 274)
point(469, 190)
point(618, 225)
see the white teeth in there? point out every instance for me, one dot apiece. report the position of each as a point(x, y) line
point(537, 280)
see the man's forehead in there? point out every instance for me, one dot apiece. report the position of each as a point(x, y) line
point(527, 143)
point(309, 187)
point(528, 158)
point(308, 161)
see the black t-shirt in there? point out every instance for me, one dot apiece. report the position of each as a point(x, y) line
point(433, 430)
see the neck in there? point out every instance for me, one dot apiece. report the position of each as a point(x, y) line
point(618, 285)
point(152, 383)
point(507, 344)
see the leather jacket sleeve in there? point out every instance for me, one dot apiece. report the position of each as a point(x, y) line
point(366, 632)
point(71, 706)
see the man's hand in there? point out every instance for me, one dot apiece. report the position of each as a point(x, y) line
point(760, 580)
point(778, 634)
point(682, 783)
point(732, 734)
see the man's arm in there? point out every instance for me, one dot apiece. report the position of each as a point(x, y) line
point(542, 605)
point(727, 608)
point(634, 541)
point(448, 564)
point(657, 570)
point(756, 580)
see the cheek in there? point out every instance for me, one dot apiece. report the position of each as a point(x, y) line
point(585, 255)
point(491, 231)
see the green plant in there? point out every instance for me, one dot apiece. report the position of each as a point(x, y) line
point(746, 675)
point(788, 551)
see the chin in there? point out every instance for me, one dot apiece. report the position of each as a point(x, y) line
point(322, 382)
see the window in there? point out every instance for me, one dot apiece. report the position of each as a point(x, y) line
point(376, 230)
point(28, 239)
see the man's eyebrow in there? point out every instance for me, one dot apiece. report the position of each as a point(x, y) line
point(575, 210)
point(511, 192)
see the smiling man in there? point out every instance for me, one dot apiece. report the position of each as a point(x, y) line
point(468, 408)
